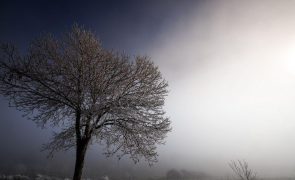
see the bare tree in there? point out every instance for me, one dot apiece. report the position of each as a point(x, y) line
point(92, 94)
point(242, 170)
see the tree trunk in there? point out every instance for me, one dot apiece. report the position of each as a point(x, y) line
point(80, 155)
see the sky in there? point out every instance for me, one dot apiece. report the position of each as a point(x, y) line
point(230, 66)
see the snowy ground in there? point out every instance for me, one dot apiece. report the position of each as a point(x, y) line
point(23, 177)
point(39, 177)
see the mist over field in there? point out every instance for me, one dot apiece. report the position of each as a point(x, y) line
point(230, 66)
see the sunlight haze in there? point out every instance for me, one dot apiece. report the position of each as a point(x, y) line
point(230, 66)
point(231, 71)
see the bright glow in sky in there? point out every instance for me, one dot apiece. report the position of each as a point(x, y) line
point(231, 70)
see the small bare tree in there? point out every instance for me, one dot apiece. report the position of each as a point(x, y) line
point(91, 94)
point(242, 170)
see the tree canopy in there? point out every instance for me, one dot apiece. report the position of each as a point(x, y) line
point(92, 94)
